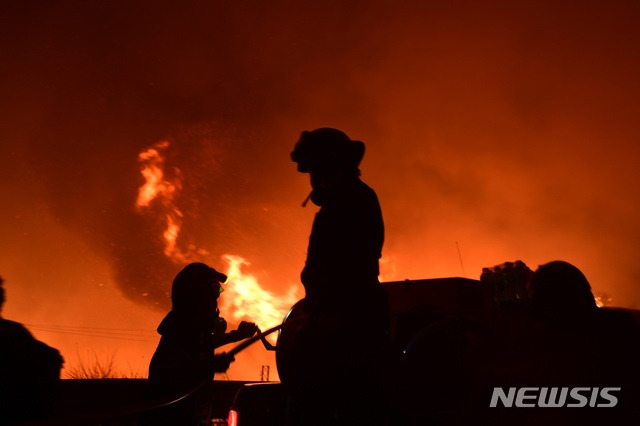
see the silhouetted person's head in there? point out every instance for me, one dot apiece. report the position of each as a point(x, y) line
point(327, 151)
point(330, 157)
point(2, 299)
point(195, 291)
point(559, 289)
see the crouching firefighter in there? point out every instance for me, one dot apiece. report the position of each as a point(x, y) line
point(182, 368)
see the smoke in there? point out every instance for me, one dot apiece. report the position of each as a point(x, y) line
point(507, 131)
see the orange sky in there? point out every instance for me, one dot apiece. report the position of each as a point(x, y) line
point(507, 130)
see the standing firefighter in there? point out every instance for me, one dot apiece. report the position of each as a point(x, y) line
point(337, 355)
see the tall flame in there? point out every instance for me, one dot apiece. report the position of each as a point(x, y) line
point(164, 190)
point(153, 171)
point(244, 297)
point(249, 300)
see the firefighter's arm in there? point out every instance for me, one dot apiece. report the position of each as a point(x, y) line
point(244, 331)
point(222, 361)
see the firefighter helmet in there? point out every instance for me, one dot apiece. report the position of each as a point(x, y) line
point(327, 148)
point(194, 282)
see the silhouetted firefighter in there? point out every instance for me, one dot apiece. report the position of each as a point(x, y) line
point(29, 373)
point(335, 366)
point(184, 359)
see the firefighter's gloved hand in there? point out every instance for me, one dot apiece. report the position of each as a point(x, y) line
point(221, 362)
point(220, 326)
point(246, 330)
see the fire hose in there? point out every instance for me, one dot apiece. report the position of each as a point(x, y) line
point(294, 317)
point(138, 408)
point(260, 336)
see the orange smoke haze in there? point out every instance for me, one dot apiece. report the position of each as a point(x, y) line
point(139, 137)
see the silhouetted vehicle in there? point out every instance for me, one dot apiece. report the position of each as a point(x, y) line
point(461, 345)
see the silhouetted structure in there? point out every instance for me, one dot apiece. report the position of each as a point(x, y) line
point(572, 343)
point(29, 373)
point(185, 359)
point(584, 343)
point(337, 355)
point(559, 338)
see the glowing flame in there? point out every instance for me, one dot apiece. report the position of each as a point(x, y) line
point(243, 296)
point(158, 187)
point(603, 299)
point(250, 301)
point(155, 184)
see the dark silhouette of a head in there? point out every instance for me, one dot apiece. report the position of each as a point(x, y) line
point(2, 299)
point(327, 149)
point(559, 289)
point(196, 287)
